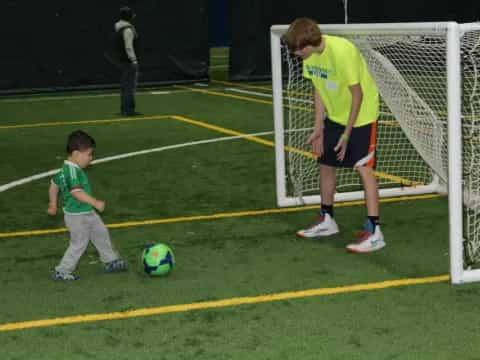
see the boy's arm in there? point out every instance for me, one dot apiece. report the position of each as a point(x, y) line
point(316, 138)
point(82, 196)
point(52, 198)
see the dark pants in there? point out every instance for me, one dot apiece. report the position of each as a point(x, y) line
point(128, 88)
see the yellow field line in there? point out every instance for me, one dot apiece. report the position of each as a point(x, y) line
point(238, 133)
point(289, 93)
point(217, 216)
point(220, 303)
point(240, 97)
point(222, 130)
point(397, 179)
point(393, 178)
point(81, 122)
point(216, 93)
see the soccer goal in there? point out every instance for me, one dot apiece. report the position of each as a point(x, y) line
point(428, 129)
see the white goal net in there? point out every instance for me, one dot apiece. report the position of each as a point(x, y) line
point(426, 74)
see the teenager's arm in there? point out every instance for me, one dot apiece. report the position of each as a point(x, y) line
point(357, 97)
point(52, 198)
point(319, 112)
point(316, 138)
point(82, 196)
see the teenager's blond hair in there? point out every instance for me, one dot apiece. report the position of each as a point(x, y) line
point(302, 32)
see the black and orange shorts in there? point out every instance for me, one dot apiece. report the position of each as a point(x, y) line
point(360, 149)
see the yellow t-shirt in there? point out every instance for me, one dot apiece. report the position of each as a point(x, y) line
point(339, 66)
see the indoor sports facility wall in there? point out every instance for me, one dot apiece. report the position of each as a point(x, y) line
point(250, 31)
point(251, 21)
point(60, 44)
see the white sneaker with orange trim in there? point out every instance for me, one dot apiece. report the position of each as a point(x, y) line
point(325, 225)
point(368, 241)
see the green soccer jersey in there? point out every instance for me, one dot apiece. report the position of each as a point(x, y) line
point(69, 179)
point(332, 71)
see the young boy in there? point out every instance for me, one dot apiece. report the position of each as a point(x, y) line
point(82, 221)
point(346, 110)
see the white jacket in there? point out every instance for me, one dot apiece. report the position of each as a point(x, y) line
point(128, 35)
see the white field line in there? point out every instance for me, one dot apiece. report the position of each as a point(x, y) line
point(243, 91)
point(218, 66)
point(43, 175)
point(160, 92)
point(75, 97)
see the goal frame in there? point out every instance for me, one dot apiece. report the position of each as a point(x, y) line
point(454, 92)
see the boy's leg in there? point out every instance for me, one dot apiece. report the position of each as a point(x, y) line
point(79, 234)
point(100, 238)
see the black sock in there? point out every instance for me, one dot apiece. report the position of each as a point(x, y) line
point(327, 209)
point(374, 221)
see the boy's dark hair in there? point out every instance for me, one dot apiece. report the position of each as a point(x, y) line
point(79, 140)
point(126, 13)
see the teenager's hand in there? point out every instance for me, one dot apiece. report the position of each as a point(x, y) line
point(52, 210)
point(341, 147)
point(316, 140)
point(100, 205)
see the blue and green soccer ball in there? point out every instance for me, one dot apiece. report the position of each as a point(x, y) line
point(158, 259)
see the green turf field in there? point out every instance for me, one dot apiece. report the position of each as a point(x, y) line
point(244, 287)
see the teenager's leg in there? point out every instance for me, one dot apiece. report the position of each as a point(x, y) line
point(324, 225)
point(370, 186)
point(327, 184)
point(371, 237)
point(79, 234)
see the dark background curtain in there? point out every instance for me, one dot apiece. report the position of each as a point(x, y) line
point(251, 21)
point(60, 44)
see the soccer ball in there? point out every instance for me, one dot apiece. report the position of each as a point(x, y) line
point(158, 259)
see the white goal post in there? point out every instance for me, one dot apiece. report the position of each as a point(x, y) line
point(427, 132)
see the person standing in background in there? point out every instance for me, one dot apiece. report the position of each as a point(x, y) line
point(126, 54)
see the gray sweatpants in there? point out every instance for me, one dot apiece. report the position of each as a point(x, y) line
point(83, 229)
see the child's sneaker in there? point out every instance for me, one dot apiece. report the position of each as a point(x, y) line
point(368, 241)
point(324, 225)
point(115, 266)
point(64, 276)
